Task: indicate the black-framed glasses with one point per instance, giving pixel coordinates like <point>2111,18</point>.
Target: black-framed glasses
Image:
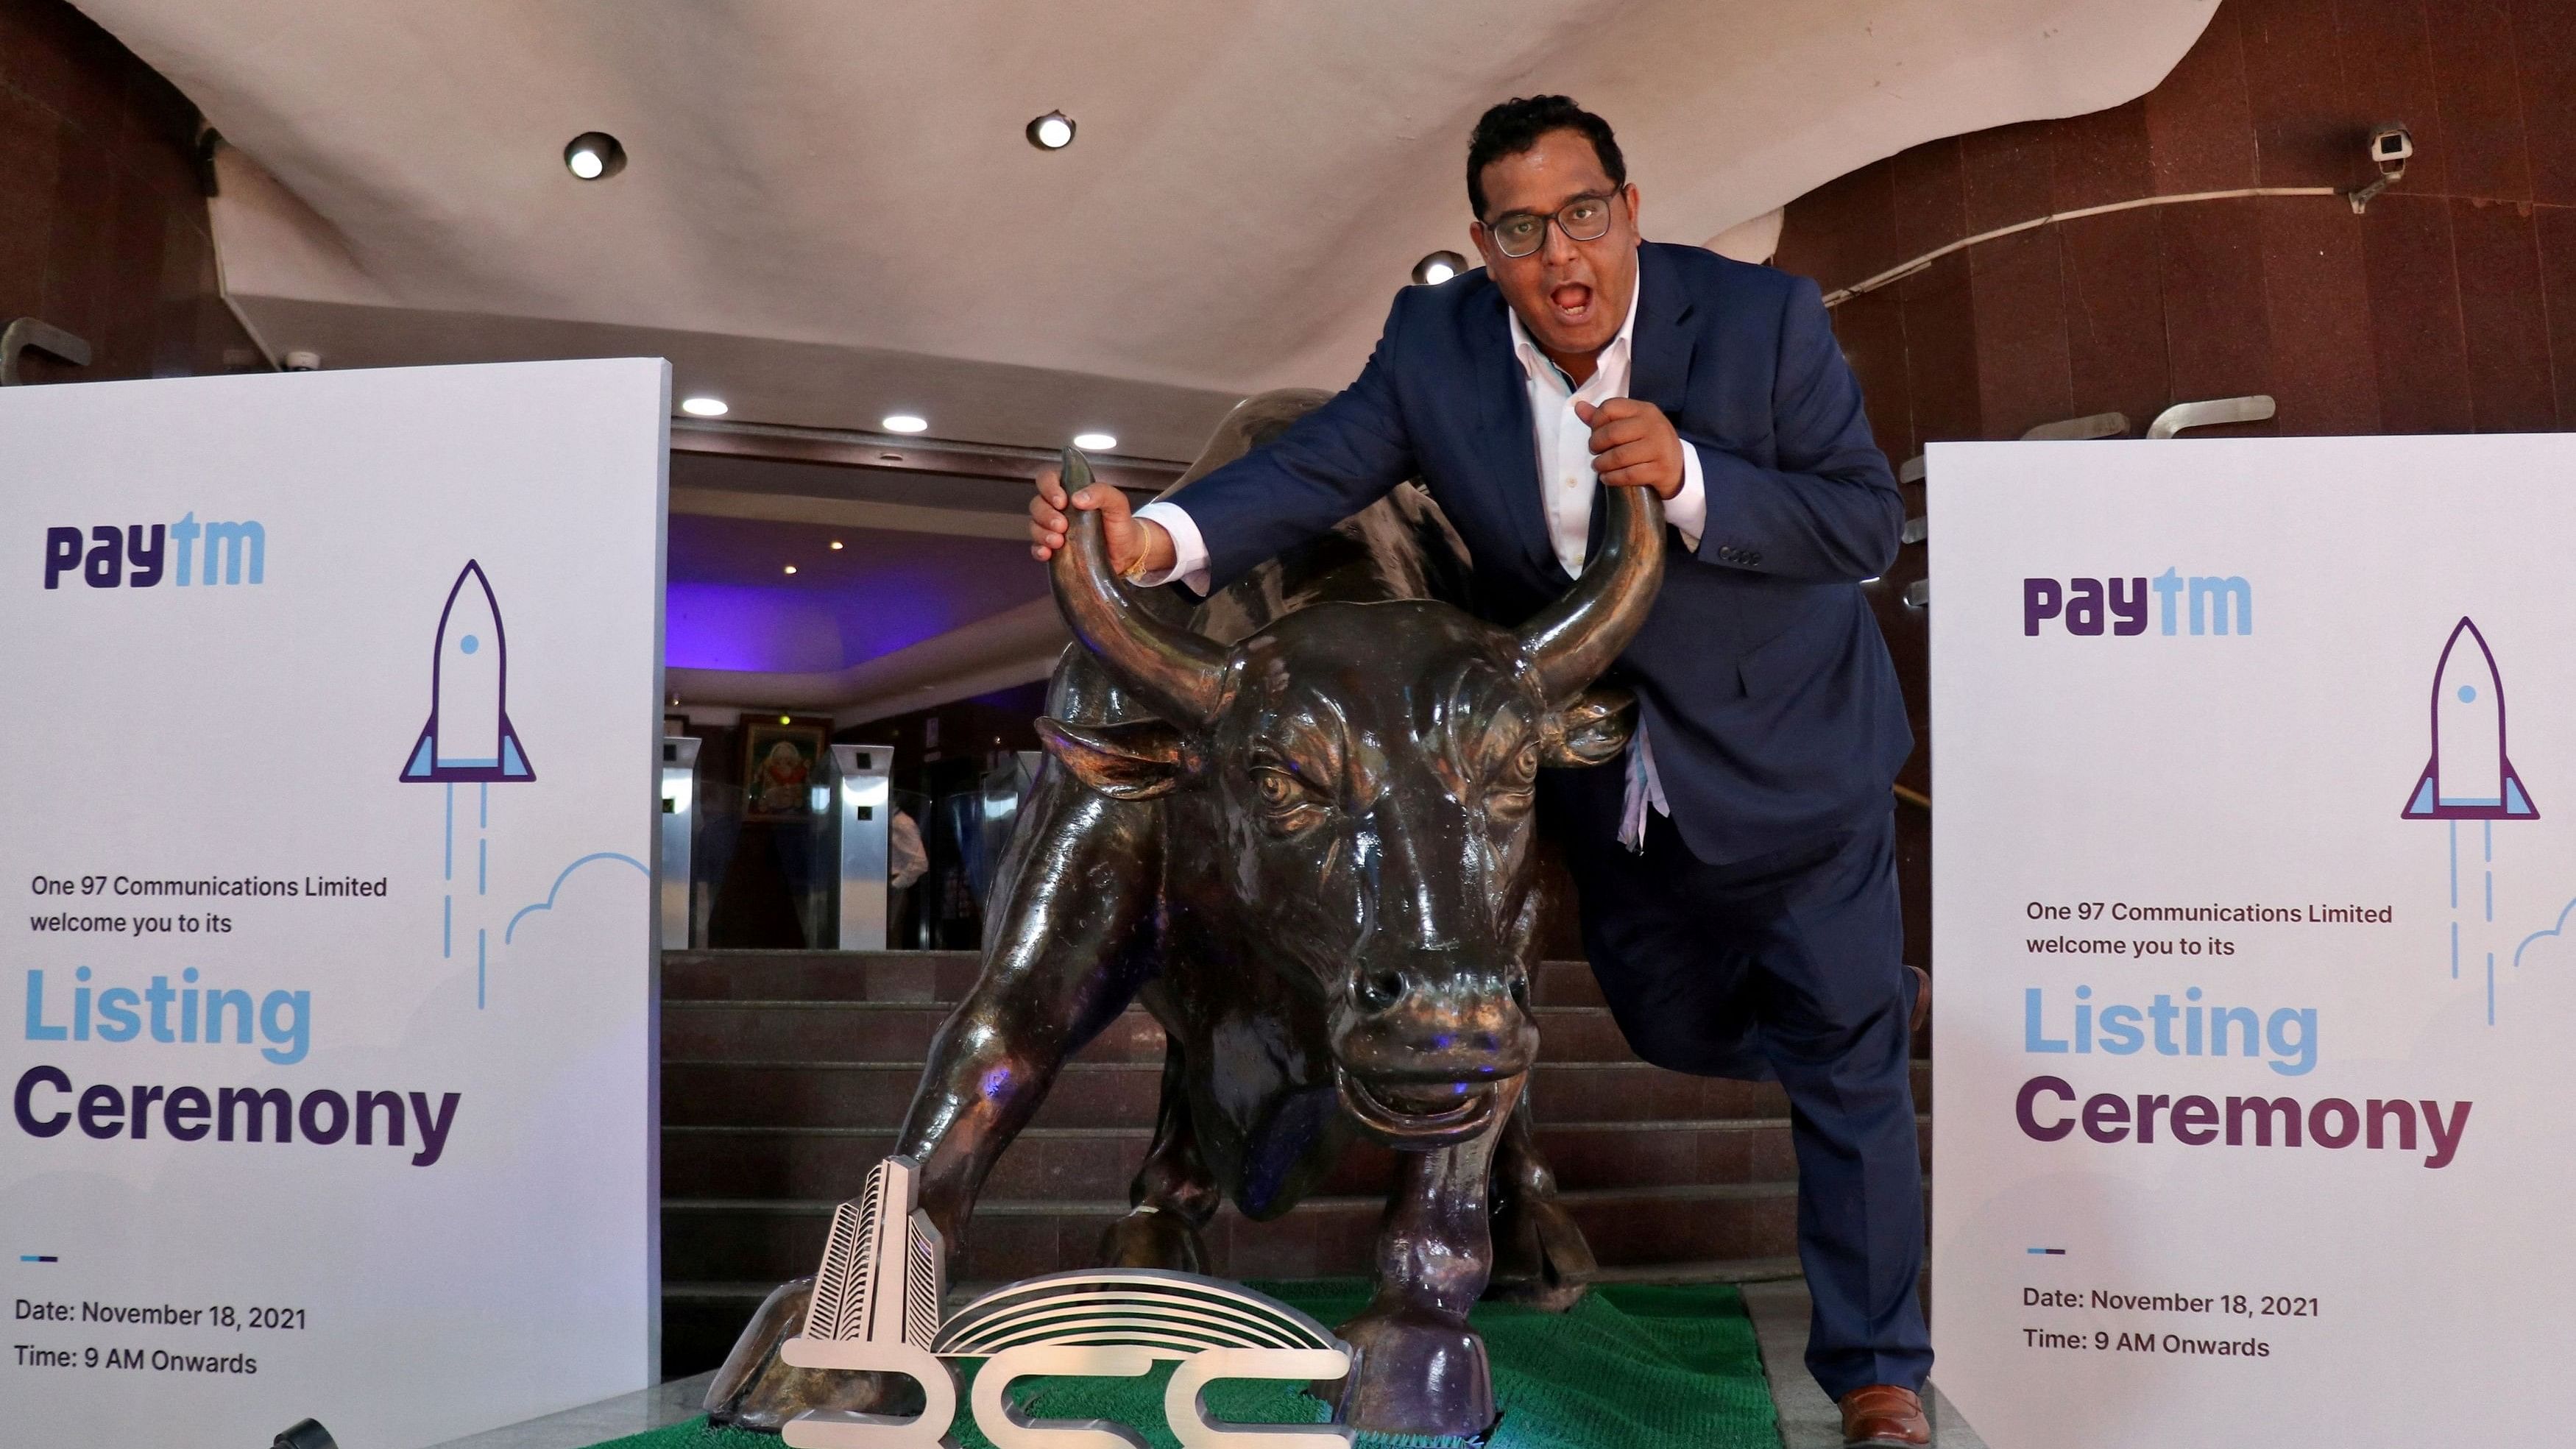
<point>1585,218</point>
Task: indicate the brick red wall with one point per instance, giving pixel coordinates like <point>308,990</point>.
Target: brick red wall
<point>2449,307</point>
<point>102,225</point>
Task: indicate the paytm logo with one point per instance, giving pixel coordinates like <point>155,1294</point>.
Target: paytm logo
<point>138,556</point>
<point>2215,604</point>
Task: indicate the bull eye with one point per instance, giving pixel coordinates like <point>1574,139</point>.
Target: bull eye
<point>1514,787</point>
<point>1285,799</point>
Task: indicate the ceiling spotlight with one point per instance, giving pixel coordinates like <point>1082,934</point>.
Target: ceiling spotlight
<point>1438,267</point>
<point>905,423</point>
<point>594,156</point>
<point>1052,131</point>
<point>836,545</point>
<point>1096,442</point>
<point>704,407</point>
<point>791,568</point>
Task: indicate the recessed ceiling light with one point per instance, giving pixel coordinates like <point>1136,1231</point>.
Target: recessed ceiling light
<point>905,423</point>
<point>1052,131</point>
<point>1438,267</point>
<point>836,545</point>
<point>1096,442</point>
<point>791,568</point>
<point>594,156</point>
<point>704,407</point>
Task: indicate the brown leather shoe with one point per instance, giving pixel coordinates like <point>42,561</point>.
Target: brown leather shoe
<point>1922,998</point>
<point>1884,1416</point>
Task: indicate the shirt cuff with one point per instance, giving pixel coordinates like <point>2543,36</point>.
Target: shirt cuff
<point>1189,551</point>
<point>1689,509</point>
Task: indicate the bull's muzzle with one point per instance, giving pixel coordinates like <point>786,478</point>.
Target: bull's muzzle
<point>1421,1044</point>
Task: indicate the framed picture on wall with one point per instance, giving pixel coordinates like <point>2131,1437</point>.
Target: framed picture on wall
<point>781,765</point>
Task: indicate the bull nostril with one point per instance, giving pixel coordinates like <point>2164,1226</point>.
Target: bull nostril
<point>1381,988</point>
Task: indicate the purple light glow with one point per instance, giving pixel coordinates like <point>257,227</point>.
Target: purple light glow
<point>996,1082</point>
<point>734,626</point>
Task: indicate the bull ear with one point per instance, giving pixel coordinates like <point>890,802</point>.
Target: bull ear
<point>1134,761</point>
<point>1593,729</point>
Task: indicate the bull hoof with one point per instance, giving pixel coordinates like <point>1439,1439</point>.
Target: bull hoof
<point>1540,1257</point>
<point>1151,1237</point>
<point>758,1390</point>
<point>1419,1373</point>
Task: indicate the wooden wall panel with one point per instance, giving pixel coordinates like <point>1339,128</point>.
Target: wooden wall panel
<point>2415,316</point>
<point>2497,247</point>
<point>2556,228</point>
<point>2544,52</point>
<point>2472,46</point>
<point>2325,374</point>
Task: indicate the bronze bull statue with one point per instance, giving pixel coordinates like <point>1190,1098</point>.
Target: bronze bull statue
<point>1295,823</point>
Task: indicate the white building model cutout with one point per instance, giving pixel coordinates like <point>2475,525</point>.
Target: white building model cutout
<point>876,1308</point>
<point>883,1270</point>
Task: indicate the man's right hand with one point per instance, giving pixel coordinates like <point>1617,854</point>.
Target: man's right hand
<point>1130,540</point>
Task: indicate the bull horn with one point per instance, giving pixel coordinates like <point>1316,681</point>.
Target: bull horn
<point>1179,672</point>
<point>1569,643</point>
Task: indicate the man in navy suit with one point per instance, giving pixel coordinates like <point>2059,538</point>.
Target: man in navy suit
<point>1737,879</point>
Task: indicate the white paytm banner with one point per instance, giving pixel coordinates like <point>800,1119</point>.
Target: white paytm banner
<point>2255,859</point>
<point>328,988</point>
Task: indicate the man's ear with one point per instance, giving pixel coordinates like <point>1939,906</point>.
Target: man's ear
<point>1593,729</point>
<point>1134,761</point>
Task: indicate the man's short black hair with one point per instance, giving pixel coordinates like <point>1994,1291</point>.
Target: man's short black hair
<point>1515,126</point>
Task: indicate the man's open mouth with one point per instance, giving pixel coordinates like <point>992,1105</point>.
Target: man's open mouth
<point>1573,301</point>
<point>1419,1117</point>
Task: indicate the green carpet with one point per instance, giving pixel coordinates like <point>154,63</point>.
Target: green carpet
<point>1632,1367</point>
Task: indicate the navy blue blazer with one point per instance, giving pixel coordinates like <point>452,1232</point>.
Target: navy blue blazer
<point>1762,678</point>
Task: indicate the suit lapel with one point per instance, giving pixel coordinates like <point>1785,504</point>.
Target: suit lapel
<point>1505,438</point>
<point>1659,355</point>
<point>1659,351</point>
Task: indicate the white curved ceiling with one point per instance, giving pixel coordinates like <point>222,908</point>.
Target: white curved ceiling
<point>830,210</point>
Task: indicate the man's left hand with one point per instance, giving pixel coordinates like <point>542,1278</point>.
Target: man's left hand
<point>1634,445</point>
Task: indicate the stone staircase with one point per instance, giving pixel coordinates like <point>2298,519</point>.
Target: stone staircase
<point>786,1073</point>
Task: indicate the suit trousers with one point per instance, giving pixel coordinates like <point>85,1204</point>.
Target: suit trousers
<point>1788,967</point>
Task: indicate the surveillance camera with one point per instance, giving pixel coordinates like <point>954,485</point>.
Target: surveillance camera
<point>2390,146</point>
<point>303,361</point>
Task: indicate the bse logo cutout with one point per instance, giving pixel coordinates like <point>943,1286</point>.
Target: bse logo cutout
<point>875,1309</point>
<point>2085,606</point>
<point>187,552</point>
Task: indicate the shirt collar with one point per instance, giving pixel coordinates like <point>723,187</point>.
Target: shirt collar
<point>1532,359</point>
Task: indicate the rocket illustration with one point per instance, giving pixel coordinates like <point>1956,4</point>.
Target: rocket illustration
<point>468,736</point>
<point>2470,777</point>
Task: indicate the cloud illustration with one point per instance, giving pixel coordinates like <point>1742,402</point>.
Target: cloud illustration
<point>2554,932</point>
<point>548,904</point>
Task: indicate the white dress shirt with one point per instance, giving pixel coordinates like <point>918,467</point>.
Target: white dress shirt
<point>1567,481</point>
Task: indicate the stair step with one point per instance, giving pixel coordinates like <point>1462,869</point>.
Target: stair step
<point>875,1031</point>
<point>1084,1162</point>
<point>929,976</point>
<point>917,976</point>
<point>1117,1094</point>
<point>749,1239</point>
